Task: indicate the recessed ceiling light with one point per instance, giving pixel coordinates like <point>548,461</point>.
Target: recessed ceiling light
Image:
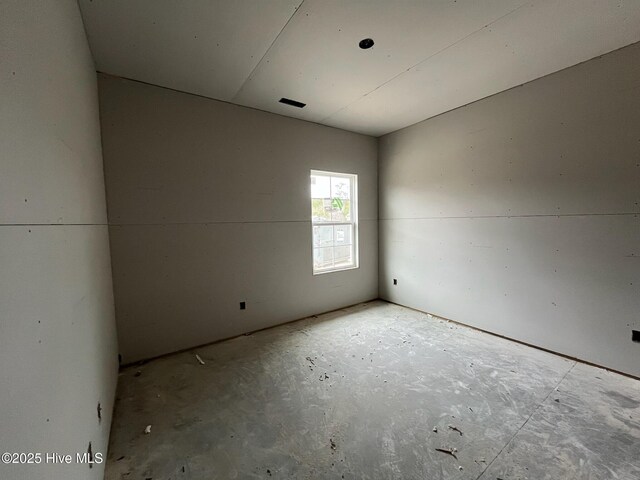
<point>293,103</point>
<point>366,43</point>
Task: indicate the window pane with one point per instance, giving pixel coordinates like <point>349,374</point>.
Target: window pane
<point>340,199</point>
<point>322,236</point>
<point>320,210</point>
<point>340,188</point>
<point>343,235</point>
<point>322,258</point>
<point>340,210</point>
<point>343,256</point>
<point>320,186</point>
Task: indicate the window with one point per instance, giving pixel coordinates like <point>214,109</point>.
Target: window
<point>334,219</point>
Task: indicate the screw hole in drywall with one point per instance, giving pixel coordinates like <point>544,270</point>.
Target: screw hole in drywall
<point>395,281</point>
<point>243,306</point>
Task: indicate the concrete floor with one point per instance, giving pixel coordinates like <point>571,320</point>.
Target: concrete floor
<point>359,394</point>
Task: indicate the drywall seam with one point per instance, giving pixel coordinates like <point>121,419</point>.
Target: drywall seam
<point>255,67</point>
<point>225,220</point>
<point>565,281</point>
<point>58,351</point>
<point>425,60</point>
<point>515,87</point>
<point>513,216</point>
<point>106,74</point>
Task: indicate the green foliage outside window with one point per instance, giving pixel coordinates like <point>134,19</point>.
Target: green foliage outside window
<point>318,209</point>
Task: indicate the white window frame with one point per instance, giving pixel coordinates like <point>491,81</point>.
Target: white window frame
<point>353,179</point>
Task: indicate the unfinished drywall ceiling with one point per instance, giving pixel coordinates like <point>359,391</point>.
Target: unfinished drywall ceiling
<point>207,47</point>
<point>520,214</point>
<point>428,57</point>
<point>316,59</point>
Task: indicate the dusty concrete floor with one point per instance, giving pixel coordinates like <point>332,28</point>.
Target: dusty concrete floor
<point>360,393</point>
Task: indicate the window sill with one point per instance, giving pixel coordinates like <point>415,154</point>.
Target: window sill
<point>334,270</point>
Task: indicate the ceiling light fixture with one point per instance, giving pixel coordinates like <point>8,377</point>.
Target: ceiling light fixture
<point>366,43</point>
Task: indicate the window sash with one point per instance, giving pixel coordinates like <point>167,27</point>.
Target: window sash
<point>336,266</point>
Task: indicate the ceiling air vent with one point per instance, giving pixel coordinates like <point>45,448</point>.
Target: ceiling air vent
<point>293,103</point>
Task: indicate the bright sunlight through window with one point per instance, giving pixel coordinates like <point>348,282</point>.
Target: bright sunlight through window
<point>334,218</point>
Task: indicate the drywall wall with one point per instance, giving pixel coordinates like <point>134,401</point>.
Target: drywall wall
<point>209,206</point>
<point>58,352</point>
<point>519,214</point>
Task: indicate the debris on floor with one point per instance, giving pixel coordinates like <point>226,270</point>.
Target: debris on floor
<point>199,359</point>
<point>261,381</point>
<point>448,450</point>
<point>147,429</point>
<point>455,429</point>
<point>137,374</point>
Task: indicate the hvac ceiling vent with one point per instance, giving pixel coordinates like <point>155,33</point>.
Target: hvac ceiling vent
<point>293,103</point>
